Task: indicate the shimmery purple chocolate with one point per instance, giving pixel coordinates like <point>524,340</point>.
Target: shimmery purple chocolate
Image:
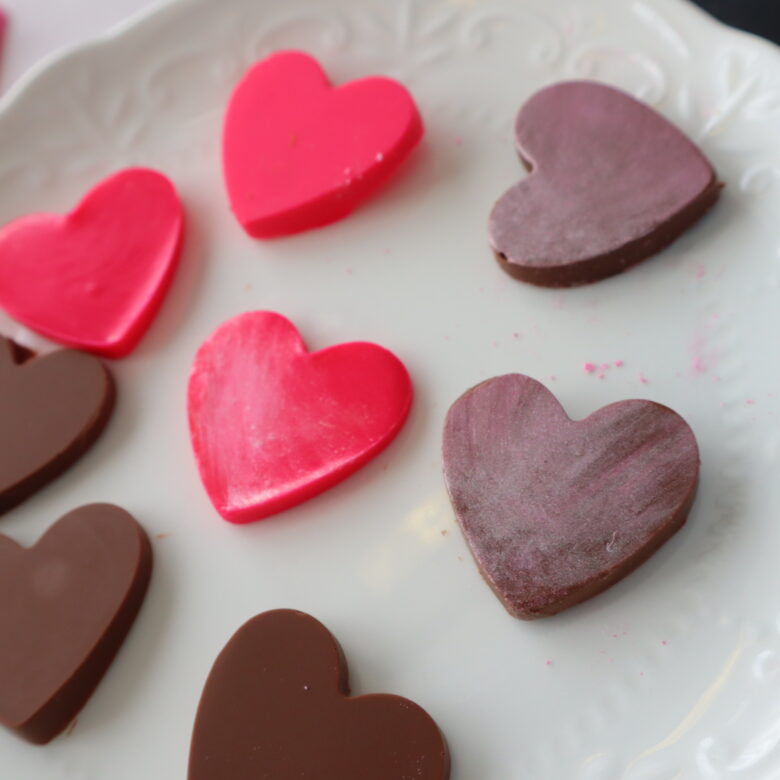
<point>612,183</point>
<point>557,510</point>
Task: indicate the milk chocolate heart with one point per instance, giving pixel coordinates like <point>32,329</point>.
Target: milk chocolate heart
<point>276,705</point>
<point>52,409</point>
<point>557,510</point>
<point>612,183</point>
<point>66,605</point>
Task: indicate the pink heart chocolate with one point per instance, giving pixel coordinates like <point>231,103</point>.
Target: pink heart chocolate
<point>612,182</point>
<point>273,425</point>
<point>299,153</point>
<point>557,510</point>
<point>94,278</point>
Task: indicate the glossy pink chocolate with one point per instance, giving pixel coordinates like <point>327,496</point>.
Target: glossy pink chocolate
<point>557,510</point>
<point>612,182</point>
<point>299,154</point>
<point>273,425</point>
<point>94,278</point>
<point>3,26</point>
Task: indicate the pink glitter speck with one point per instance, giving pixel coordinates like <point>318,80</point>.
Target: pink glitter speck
<point>589,368</point>
<point>697,366</point>
<point>605,366</point>
<point>548,662</point>
<point>664,642</point>
<point>618,364</point>
<point>516,335</point>
<point>643,379</point>
<point>749,401</point>
<point>601,376</point>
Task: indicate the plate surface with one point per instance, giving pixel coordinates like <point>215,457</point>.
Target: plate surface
<point>674,673</point>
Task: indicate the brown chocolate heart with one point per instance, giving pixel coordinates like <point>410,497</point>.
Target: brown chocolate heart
<point>66,605</point>
<point>612,183</point>
<point>52,409</point>
<point>556,510</point>
<point>276,705</point>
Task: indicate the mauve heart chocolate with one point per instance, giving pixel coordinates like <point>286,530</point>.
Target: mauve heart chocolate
<point>66,605</point>
<point>557,510</point>
<point>52,408</point>
<point>612,183</point>
<point>276,705</point>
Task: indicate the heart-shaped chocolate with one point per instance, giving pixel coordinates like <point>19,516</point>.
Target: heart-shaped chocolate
<point>94,278</point>
<point>299,153</point>
<point>66,605</point>
<point>273,425</point>
<point>557,510</point>
<point>276,705</point>
<point>52,409</point>
<point>612,182</point>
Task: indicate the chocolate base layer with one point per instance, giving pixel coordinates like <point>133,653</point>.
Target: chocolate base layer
<point>276,705</point>
<point>52,409</point>
<point>615,262</point>
<point>66,605</point>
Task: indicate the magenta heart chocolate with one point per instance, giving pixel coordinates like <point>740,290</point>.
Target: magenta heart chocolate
<point>556,510</point>
<point>612,182</point>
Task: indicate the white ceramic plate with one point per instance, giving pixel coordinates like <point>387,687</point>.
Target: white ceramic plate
<point>674,673</point>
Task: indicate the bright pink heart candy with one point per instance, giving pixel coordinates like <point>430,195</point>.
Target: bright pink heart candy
<point>3,25</point>
<point>94,278</point>
<point>273,425</point>
<point>300,154</point>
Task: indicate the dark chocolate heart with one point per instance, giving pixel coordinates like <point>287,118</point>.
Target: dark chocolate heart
<point>613,182</point>
<point>52,409</point>
<point>66,605</point>
<point>276,705</point>
<point>557,510</point>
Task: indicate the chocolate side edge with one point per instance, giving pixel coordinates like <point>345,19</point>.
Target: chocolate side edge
<point>599,584</point>
<point>595,269</point>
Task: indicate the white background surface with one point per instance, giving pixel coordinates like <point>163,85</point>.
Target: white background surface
<point>674,674</point>
<point>38,27</point>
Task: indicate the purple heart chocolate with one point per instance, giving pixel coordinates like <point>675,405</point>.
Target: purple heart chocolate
<point>557,510</point>
<point>612,183</point>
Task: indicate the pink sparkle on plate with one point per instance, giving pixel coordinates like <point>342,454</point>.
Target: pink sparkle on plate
<point>643,379</point>
<point>618,364</point>
<point>589,368</point>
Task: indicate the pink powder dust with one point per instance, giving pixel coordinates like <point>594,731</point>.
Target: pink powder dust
<point>589,368</point>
